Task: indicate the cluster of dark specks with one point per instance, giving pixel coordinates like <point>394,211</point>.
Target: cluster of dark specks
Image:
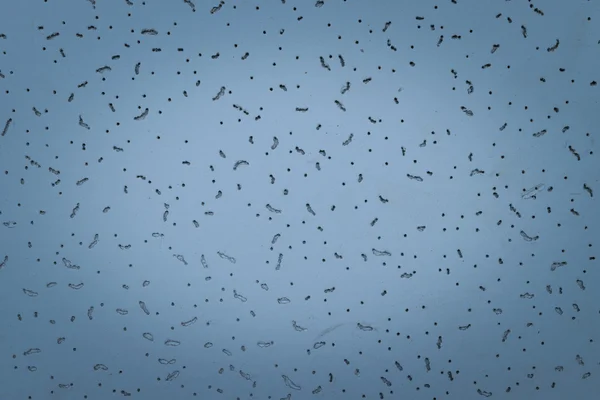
<point>286,200</point>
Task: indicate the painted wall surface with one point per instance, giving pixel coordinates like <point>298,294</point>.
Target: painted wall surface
<point>283,199</point>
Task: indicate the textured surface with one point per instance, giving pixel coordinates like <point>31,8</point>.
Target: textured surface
<point>289,200</point>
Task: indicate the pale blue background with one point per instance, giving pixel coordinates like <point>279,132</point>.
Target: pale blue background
<point>459,211</point>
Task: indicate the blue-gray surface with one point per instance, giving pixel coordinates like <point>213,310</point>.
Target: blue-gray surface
<point>295,200</point>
